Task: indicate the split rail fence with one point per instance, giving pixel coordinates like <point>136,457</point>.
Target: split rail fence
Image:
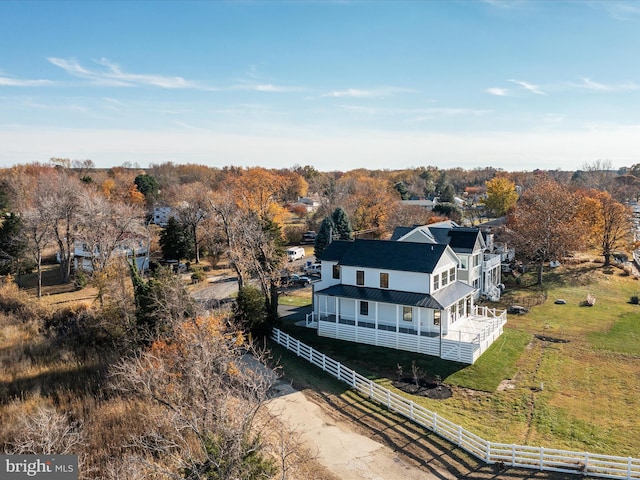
<point>538,458</point>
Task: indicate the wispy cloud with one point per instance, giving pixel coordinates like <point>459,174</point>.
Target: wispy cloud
<point>113,75</point>
<point>18,82</point>
<point>528,86</point>
<point>621,10</point>
<point>499,92</point>
<point>504,4</point>
<point>370,93</point>
<point>417,114</point>
<point>588,84</point>
<point>266,87</point>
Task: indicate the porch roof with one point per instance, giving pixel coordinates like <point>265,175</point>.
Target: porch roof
<point>452,293</point>
<point>383,296</point>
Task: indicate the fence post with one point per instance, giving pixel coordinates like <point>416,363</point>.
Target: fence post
<point>324,362</point>
<point>338,370</point>
<point>541,458</point>
<point>586,462</point>
<point>459,436</point>
<point>297,348</point>
<point>353,378</point>
<point>435,422</point>
<point>488,459</point>
<point>370,389</point>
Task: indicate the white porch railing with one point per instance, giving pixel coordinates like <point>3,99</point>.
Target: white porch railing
<point>537,458</point>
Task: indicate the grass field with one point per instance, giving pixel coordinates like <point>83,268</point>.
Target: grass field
<point>582,395</point>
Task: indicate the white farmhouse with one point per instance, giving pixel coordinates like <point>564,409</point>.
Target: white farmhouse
<point>476,267</point>
<point>402,295</point>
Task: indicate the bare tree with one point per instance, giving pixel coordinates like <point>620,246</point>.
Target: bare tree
<point>38,233</point>
<point>58,199</point>
<point>210,391</point>
<point>47,432</point>
<point>191,210</point>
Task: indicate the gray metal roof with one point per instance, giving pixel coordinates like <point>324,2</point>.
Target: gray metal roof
<point>452,293</point>
<point>394,297</point>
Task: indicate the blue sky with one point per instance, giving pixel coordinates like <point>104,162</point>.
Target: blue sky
<point>512,84</point>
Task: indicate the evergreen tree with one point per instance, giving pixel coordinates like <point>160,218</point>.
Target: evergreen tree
<point>250,311</point>
<point>341,224</point>
<point>12,244</point>
<point>176,241</point>
<point>447,194</point>
<point>148,186</point>
<point>323,238</point>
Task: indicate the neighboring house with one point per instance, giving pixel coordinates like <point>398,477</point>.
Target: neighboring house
<point>83,257</point>
<point>476,267</point>
<point>310,203</point>
<point>402,295</point>
<point>425,203</point>
<point>161,215</point>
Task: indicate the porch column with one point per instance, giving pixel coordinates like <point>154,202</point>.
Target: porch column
<point>337,314</point>
<point>356,313</point>
<point>375,310</point>
<point>397,325</point>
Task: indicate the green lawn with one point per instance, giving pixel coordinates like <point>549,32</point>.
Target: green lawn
<point>583,394</point>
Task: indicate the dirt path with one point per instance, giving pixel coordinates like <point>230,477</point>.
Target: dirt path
<point>353,442</point>
<point>346,453</point>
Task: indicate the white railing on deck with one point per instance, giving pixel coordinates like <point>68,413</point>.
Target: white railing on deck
<point>538,458</point>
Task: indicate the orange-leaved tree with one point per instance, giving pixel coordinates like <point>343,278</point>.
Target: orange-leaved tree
<point>545,223</point>
<point>609,222</point>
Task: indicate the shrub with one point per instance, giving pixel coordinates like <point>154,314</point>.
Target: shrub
<point>198,275</point>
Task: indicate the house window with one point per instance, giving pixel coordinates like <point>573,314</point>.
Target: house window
<point>407,314</point>
<point>476,260</point>
<point>436,317</point>
<point>463,262</point>
<point>452,275</point>
<point>461,308</point>
<point>384,280</point>
<point>445,279</point>
<point>364,308</point>
<point>454,312</point>
<point>468,305</point>
<point>359,277</point>
<point>436,282</point>
<point>336,271</point>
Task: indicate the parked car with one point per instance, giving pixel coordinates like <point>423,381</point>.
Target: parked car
<point>295,253</point>
<point>295,281</point>
<point>313,269</point>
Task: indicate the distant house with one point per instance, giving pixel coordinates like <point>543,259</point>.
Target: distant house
<point>311,204</point>
<point>161,215</point>
<point>477,266</point>
<point>424,203</point>
<point>131,246</point>
<point>403,295</point>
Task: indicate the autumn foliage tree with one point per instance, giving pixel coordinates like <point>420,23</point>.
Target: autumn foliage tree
<point>609,222</point>
<point>545,223</point>
<point>501,195</point>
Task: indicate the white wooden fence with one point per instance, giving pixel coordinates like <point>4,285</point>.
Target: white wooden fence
<point>539,458</point>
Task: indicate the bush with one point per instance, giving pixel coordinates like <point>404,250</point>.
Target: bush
<point>198,275</point>
<point>80,279</point>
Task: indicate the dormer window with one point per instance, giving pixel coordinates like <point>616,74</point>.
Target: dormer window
<point>384,280</point>
<point>359,277</point>
<point>436,282</point>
